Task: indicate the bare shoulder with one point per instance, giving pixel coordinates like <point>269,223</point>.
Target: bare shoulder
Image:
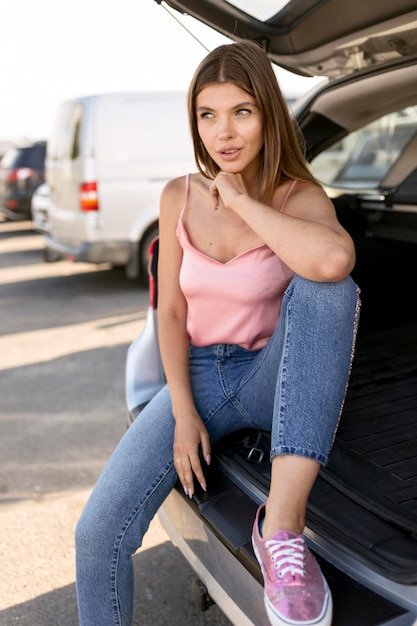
<point>308,199</point>
<point>174,189</point>
<point>173,198</point>
<point>305,189</point>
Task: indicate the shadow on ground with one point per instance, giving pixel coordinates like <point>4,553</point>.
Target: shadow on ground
<point>160,580</point>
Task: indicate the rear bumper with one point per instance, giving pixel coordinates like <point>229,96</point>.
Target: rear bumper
<point>116,252</point>
<point>236,592</point>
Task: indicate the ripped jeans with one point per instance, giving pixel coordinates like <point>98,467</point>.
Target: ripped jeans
<point>294,387</point>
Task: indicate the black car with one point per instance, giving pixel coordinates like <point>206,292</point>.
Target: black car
<point>360,127</point>
<point>22,171</point>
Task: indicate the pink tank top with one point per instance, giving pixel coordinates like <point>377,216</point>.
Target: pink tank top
<point>237,302</point>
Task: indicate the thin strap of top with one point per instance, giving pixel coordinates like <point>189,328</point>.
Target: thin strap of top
<point>187,189</point>
<point>287,195</point>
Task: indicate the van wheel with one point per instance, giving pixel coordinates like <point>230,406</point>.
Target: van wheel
<point>49,256</point>
<point>145,244</point>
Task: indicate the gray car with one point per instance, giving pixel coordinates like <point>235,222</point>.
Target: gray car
<point>22,171</point>
<point>360,127</point>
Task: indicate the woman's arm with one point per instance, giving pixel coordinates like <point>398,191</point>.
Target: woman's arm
<point>190,431</point>
<point>307,236</point>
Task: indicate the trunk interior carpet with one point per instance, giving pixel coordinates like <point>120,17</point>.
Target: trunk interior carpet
<point>374,458</point>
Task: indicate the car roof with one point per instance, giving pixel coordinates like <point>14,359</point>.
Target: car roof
<point>316,37</point>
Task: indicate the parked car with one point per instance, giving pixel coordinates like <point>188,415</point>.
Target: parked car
<point>108,158</point>
<point>360,127</point>
<point>40,208</point>
<point>22,170</point>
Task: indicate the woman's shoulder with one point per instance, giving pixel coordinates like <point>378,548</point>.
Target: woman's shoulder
<point>293,193</point>
<point>175,192</point>
<point>178,186</point>
<point>175,186</point>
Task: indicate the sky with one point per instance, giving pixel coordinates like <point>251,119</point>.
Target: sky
<point>53,50</point>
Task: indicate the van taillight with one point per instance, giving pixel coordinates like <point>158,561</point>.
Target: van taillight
<point>88,197</point>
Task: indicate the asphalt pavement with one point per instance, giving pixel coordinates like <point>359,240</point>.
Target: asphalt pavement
<point>64,332</point>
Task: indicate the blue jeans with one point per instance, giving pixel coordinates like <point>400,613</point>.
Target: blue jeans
<point>294,387</point>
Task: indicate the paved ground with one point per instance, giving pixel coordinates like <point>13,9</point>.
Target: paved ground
<point>64,331</point>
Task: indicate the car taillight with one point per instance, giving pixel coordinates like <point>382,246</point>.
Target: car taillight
<point>21,173</point>
<point>88,197</point>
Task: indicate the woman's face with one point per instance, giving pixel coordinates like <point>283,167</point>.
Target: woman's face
<point>230,126</point>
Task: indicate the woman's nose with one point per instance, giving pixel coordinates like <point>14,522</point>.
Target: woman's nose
<point>225,129</point>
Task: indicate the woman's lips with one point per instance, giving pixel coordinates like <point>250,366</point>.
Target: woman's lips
<point>230,154</point>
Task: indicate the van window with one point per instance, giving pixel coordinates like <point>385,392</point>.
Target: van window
<point>65,138</point>
<point>75,132</point>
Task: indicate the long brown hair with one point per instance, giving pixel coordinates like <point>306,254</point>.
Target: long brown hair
<point>245,65</point>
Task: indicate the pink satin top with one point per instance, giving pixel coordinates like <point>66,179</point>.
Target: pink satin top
<point>237,302</point>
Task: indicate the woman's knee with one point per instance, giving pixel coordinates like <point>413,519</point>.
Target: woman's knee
<point>340,296</point>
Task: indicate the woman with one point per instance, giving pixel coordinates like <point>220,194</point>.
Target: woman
<point>255,302</point>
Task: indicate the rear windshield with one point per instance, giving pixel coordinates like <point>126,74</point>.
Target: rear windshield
<point>30,156</point>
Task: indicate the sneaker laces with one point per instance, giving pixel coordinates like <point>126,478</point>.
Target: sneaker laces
<point>287,555</point>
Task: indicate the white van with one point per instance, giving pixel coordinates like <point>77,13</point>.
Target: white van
<point>108,158</point>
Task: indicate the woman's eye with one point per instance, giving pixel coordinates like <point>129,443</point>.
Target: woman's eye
<point>243,112</point>
<point>205,115</point>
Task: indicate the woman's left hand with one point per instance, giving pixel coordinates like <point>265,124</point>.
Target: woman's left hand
<point>190,434</point>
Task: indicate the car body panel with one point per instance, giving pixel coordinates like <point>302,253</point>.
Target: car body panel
<point>40,209</point>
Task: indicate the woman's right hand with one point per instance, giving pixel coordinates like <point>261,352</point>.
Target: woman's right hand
<point>190,434</point>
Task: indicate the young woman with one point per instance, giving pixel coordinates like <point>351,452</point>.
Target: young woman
<point>255,303</point>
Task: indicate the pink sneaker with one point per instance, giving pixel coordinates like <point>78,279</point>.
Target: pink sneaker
<point>296,592</point>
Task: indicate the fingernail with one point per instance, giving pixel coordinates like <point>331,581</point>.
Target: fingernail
<point>208,459</point>
<point>185,490</point>
<point>203,486</point>
<point>190,494</point>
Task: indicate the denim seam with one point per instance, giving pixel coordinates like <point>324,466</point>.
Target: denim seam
<point>281,384</point>
<point>231,396</point>
<point>352,355</point>
<point>120,537</point>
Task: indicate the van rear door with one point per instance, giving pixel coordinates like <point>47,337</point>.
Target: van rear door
<point>69,164</point>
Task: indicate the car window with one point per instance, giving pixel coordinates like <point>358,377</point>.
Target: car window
<point>30,156</point>
<point>33,156</point>
<point>261,9</point>
<point>364,157</point>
